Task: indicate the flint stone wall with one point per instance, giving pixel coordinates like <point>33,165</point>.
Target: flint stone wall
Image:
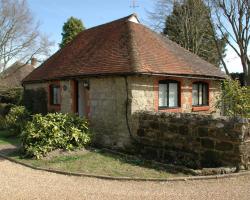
<point>193,140</point>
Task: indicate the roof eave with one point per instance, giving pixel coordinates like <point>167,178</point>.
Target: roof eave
<point>191,76</point>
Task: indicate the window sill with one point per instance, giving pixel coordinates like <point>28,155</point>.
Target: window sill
<point>200,108</point>
<point>176,109</point>
<point>56,105</point>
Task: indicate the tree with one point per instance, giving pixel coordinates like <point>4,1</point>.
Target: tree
<point>71,28</point>
<point>235,99</point>
<point>190,25</point>
<point>20,38</point>
<point>158,15</point>
<point>233,20</point>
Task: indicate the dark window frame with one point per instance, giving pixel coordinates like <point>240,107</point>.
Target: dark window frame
<point>51,88</point>
<point>203,84</point>
<point>178,94</point>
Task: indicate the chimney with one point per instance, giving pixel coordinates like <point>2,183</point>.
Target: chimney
<point>33,61</point>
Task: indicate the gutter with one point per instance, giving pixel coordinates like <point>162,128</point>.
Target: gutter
<point>191,76</point>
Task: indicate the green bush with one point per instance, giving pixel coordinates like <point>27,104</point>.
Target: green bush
<point>11,96</point>
<point>54,131</point>
<point>16,119</point>
<point>2,123</point>
<point>35,101</point>
<point>5,108</point>
<point>235,100</point>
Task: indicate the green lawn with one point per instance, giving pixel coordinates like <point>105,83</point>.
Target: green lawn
<point>7,138</point>
<point>96,162</point>
<point>103,163</point>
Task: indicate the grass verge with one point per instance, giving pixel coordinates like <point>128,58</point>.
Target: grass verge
<point>96,162</point>
<point>103,163</point>
<point>7,138</point>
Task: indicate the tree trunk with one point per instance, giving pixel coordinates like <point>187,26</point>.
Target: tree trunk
<point>247,79</point>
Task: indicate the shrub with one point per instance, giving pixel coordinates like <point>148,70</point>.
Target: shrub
<point>16,119</point>
<point>54,131</point>
<point>35,101</point>
<point>2,123</point>
<point>11,96</point>
<point>239,77</point>
<point>235,100</point>
<point>5,108</point>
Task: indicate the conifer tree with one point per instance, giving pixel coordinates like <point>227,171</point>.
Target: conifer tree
<point>71,28</point>
<point>191,26</point>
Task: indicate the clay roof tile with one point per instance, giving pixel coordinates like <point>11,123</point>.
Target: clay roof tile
<point>122,47</point>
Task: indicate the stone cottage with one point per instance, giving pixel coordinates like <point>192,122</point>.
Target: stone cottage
<point>110,71</point>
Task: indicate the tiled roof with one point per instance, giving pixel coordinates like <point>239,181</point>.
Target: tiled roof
<point>122,47</point>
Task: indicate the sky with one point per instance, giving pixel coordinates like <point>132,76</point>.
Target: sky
<point>53,13</point>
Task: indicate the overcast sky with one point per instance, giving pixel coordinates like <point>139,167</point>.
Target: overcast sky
<point>53,13</point>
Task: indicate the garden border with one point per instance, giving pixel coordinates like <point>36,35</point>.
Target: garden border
<point>192,178</point>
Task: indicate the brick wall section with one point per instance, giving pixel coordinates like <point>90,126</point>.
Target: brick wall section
<point>193,140</point>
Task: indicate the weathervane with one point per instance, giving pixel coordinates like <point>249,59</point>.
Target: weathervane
<point>134,4</point>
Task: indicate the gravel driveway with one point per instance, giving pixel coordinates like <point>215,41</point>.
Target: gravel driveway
<point>18,182</point>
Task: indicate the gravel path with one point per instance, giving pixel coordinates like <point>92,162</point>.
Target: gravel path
<point>18,182</point>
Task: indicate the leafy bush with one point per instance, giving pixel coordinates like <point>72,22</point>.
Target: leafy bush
<point>54,131</point>
<point>17,118</point>
<point>11,96</point>
<point>238,76</point>
<point>35,101</point>
<point>5,108</point>
<point>2,123</point>
<point>235,100</point>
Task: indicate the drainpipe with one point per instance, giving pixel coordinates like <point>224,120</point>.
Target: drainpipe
<point>126,108</point>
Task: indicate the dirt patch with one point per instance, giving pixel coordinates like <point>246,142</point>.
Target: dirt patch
<point>7,149</point>
<point>62,152</point>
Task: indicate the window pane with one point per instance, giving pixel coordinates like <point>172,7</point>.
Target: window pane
<point>56,95</point>
<point>195,94</point>
<point>205,97</point>
<point>173,94</point>
<point>200,94</point>
<point>162,95</point>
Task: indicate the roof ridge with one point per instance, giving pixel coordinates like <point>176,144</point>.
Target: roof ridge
<point>135,63</point>
<point>117,20</point>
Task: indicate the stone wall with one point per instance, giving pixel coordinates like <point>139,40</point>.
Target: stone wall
<point>35,86</point>
<point>66,96</point>
<point>192,140</point>
<point>144,94</point>
<point>108,99</point>
<point>66,99</point>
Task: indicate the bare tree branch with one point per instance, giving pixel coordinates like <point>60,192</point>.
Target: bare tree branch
<point>233,19</point>
<point>20,38</point>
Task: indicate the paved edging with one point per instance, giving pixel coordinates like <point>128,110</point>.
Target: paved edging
<point>192,178</point>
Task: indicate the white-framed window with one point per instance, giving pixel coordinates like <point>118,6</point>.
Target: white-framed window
<point>169,94</point>
<point>200,94</point>
<point>55,95</point>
